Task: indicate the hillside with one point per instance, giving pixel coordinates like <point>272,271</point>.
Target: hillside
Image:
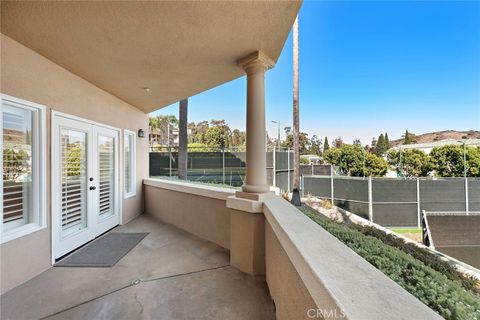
<point>440,135</point>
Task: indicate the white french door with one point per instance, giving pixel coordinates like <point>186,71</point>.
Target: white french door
<point>85,182</point>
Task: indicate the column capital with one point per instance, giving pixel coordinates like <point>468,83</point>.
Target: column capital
<point>256,59</point>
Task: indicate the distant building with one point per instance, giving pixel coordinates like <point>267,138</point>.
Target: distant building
<point>427,147</point>
<point>312,158</point>
<point>158,137</point>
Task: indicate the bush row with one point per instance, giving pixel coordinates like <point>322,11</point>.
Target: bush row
<point>428,258</point>
<point>446,296</point>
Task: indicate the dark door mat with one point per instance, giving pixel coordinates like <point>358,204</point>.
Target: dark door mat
<point>104,252</point>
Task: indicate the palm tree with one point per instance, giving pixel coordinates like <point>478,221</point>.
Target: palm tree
<point>296,145</point>
<point>182,139</point>
<point>153,123</point>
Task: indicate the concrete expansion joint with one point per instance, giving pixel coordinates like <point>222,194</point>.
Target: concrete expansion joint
<point>134,283</point>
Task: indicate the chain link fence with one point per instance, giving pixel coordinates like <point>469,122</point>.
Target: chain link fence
<point>224,166</point>
<point>396,202</point>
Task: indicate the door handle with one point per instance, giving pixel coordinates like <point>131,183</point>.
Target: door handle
<point>93,188</point>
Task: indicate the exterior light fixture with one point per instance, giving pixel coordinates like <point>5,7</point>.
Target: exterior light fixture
<point>141,133</point>
<point>146,89</point>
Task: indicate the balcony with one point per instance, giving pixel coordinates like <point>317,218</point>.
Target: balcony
<point>171,274</point>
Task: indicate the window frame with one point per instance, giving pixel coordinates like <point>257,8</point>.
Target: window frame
<point>38,167</point>
<point>133,168</point>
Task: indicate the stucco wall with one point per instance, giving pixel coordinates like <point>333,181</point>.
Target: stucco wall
<point>292,299</point>
<point>203,215</point>
<point>27,75</point>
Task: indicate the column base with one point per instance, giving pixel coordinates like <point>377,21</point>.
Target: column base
<point>248,202</point>
<point>255,189</point>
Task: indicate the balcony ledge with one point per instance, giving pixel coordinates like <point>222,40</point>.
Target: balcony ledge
<point>335,276</point>
<point>191,188</point>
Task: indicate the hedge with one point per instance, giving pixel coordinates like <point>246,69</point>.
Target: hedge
<point>429,258</point>
<point>447,296</point>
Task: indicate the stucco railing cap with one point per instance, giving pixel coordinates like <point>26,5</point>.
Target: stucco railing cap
<point>191,188</point>
<point>328,267</point>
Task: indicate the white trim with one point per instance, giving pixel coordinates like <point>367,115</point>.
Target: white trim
<point>95,226</point>
<point>72,117</point>
<point>133,156</point>
<point>39,151</point>
<point>21,231</point>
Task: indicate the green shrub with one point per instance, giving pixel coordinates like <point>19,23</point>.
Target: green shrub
<point>445,295</point>
<point>427,257</point>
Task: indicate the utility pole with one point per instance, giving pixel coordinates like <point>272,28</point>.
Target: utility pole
<point>278,137</point>
<point>400,169</point>
<point>363,152</point>
<point>465,177</point>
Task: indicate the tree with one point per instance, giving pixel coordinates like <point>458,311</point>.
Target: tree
<point>326,145</point>
<point>351,160</point>
<point>16,163</point>
<point>415,163</point>
<point>74,160</point>
<point>332,156</point>
<point>191,128</point>
<point>355,161</point>
<point>379,147</point>
<point>357,142</point>
<point>386,142</point>
<point>304,160</point>
<point>304,142</point>
<point>296,127</point>
<point>217,136</point>
<point>198,147</point>
<point>315,146</point>
<point>338,142</point>
<point>238,138</point>
<point>473,162</point>
<point>375,166</point>
<point>408,137</point>
<point>448,161</point>
<point>182,139</point>
<point>161,126</point>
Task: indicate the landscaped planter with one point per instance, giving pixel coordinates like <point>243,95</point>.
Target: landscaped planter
<point>433,281</point>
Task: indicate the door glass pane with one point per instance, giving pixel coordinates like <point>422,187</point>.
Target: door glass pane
<point>74,180</point>
<point>106,175</point>
<point>17,167</point>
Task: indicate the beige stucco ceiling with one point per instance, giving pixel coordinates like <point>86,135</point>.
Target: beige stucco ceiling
<point>177,49</point>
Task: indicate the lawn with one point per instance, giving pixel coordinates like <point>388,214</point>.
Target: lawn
<point>433,281</point>
<point>407,230</point>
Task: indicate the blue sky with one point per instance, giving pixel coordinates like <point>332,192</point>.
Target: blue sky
<point>367,68</point>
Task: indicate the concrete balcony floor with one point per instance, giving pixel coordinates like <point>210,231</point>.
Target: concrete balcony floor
<point>182,277</point>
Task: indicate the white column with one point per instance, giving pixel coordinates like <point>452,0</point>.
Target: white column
<point>255,66</point>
